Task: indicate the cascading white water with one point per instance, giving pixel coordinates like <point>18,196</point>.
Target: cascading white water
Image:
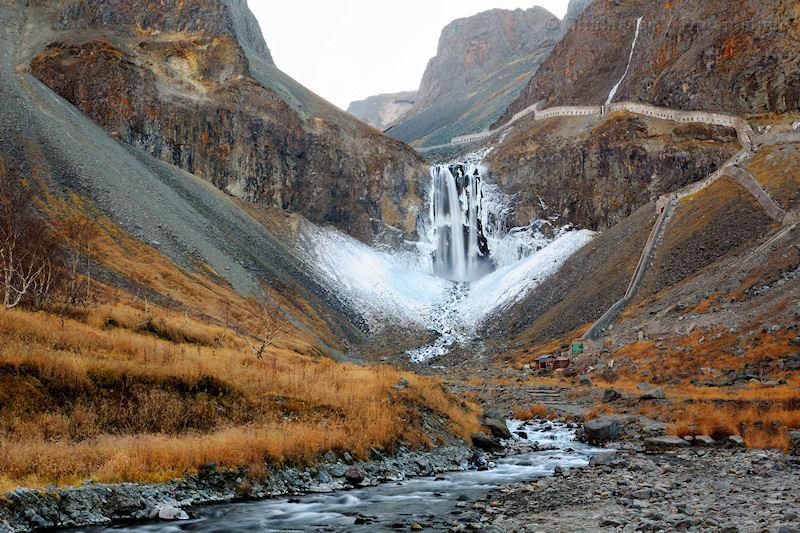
<point>614,90</point>
<point>460,251</point>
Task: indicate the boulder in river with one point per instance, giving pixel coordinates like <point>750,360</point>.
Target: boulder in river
<point>601,429</point>
<point>354,476</point>
<point>169,512</point>
<point>498,427</point>
<point>486,443</point>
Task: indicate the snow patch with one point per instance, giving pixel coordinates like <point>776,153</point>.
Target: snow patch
<point>382,286</point>
<point>508,285</point>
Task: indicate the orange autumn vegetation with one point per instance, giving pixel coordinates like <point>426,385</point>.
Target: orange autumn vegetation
<point>91,396</point>
<point>537,410</point>
<point>133,391</point>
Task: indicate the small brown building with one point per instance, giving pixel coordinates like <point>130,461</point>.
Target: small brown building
<point>561,363</point>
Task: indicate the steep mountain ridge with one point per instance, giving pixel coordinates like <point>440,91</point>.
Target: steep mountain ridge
<point>482,63</point>
<point>181,85</point>
<point>690,55</point>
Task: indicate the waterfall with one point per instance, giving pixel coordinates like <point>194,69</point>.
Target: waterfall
<point>614,90</point>
<point>460,249</point>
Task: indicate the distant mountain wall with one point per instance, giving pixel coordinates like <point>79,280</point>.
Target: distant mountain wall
<point>482,64</point>
<point>383,110</point>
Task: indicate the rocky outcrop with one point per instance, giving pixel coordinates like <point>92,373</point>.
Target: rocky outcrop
<point>742,60</point>
<point>593,176</point>
<point>574,11</point>
<point>471,47</point>
<point>383,110</point>
<point>180,83</point>
<point>481,65</point>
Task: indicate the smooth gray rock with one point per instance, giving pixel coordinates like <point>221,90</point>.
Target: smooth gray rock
<point>486,443</point>
<point>354,476</point>
<point>654,394</point>
<point>602,429</point>
<point>664,444</point>
<point>168,512</point>
<point>704,440</point>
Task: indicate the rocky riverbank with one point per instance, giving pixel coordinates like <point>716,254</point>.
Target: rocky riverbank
<point>697,489</point>
<point>94,504</point>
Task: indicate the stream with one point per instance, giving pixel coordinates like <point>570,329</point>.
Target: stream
<point>430,501</point>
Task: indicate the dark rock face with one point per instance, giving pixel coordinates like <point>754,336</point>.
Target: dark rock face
<point>192,101</point>
<point>486,443</point>
<point>481,65</point>
<point>472,47</point>
<point>598,177</point>
<point>691,54</point>
<point>383,110</point>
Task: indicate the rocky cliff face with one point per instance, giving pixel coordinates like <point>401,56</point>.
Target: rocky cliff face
<point>691,54</point>
<point>595,175</point>
<point>574,11</point>
<point>481,65</point>
<point>194,85</point>
<point>383,110</point>
<point>470,48</point>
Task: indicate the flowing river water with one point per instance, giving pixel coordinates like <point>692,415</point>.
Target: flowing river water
<point>430,501</point>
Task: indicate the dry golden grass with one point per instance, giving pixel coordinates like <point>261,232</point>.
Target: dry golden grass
<point>93,395</point>
<point>537,410</point>
<point>132,391</point>
<point>761,426</point>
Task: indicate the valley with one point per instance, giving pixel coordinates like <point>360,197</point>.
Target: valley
<point>555,289</point>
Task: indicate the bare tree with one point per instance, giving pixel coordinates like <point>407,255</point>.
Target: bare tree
<point>269,320</point>
<point>30,257</point>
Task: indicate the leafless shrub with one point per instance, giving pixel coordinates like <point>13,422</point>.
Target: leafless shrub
<point>32,266</point>
<point>269,321</point>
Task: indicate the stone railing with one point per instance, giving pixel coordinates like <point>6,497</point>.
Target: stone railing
<point>472,137</point>
<point>743,129</point>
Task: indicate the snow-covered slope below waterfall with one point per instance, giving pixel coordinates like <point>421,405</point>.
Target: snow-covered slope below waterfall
<point>505,286</point>
<point>382,286</point>
<point>398,288</point>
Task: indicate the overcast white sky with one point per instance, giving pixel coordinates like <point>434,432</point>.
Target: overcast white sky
<point>346,50</point>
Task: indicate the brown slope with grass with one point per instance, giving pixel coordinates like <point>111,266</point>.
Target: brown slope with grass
<point>716,322</point>
<point>176,370</point>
